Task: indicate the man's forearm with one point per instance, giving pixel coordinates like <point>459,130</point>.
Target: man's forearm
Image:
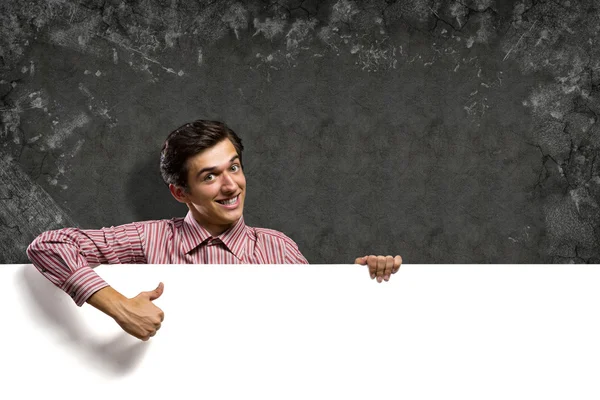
<point>64,256</point>
<point>109,301</point>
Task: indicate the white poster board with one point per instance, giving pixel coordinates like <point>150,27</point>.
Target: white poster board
<point>316,331</point>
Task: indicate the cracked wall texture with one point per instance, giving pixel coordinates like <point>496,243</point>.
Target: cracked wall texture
<point>445,131</point>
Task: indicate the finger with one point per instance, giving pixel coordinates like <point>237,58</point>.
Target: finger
<point>155,294</point>
<point>380,268</point>
<point>136,336</point>
<point>397,264</point>
<point>152,334</point>
<point>372,262</point>
<point>389,263</point>
<point>162,316</point>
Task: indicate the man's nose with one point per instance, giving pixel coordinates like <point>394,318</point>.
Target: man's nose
<point>228,181</point>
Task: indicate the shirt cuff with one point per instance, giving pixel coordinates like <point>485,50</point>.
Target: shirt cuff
<point>82,284</point>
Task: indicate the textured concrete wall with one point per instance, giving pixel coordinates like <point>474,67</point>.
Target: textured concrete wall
<point>444,131</point>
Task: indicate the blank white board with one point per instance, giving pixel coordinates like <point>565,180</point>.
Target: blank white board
<point>312,331</point>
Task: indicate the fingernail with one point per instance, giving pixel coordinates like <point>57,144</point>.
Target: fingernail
<point>372,276</point>
<point>387,278</point>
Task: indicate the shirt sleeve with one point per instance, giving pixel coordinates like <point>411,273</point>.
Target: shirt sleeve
<point>292,253</point>
<point>66,256</point>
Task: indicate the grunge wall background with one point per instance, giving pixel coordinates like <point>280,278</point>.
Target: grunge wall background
<point>445,131</point>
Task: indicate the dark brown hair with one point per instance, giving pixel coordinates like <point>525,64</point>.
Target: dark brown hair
<point>189,140</point>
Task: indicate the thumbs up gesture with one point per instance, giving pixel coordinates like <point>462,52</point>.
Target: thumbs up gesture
<point>139,317</point>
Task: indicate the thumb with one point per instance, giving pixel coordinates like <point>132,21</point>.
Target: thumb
<point>361,260</point>
<point>156,293</point>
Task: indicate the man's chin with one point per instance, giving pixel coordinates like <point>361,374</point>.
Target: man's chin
<point>232,216</point>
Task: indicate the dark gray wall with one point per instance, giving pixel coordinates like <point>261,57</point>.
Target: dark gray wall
<point>444,131</point>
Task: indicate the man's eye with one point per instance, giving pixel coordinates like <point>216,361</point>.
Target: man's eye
<point>237,167</point>
<point>208,177</point>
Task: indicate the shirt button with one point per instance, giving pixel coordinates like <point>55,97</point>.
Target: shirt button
<point>73,294</point>
<point>44,270</point>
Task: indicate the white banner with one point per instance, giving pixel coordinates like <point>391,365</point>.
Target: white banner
<point>311,332</point>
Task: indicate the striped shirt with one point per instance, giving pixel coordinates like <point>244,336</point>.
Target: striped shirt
<point>66,256</point>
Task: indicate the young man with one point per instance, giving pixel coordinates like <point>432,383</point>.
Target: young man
<point>201,162</point>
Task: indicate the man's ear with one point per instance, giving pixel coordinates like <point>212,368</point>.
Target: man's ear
<point>178,193</point>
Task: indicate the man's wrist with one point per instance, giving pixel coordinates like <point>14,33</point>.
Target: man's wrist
<point>109,301</point>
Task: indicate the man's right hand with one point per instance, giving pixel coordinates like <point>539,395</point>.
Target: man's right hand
<point>139,317</point>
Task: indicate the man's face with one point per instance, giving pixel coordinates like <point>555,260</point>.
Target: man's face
<point>217,187</point>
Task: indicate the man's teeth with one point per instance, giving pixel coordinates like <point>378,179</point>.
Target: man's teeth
<point>230,201</point>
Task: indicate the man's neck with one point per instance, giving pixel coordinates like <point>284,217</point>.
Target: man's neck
<point>214,229</point>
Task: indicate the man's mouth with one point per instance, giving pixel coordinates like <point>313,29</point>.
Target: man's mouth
<point>229,202</point>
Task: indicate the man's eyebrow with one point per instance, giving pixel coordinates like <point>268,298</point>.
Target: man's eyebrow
<point>207,169</point>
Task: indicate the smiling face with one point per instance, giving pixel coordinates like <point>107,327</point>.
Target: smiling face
<point>217,187</point>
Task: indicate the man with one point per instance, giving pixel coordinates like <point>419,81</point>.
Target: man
<point>201,162</point>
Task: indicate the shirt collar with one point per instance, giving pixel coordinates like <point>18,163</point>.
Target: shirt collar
<point>195,234</point>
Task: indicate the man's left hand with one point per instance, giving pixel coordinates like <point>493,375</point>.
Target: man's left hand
<point>380,267</point>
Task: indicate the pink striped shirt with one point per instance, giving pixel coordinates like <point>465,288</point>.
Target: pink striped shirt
<point>66,256</point>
